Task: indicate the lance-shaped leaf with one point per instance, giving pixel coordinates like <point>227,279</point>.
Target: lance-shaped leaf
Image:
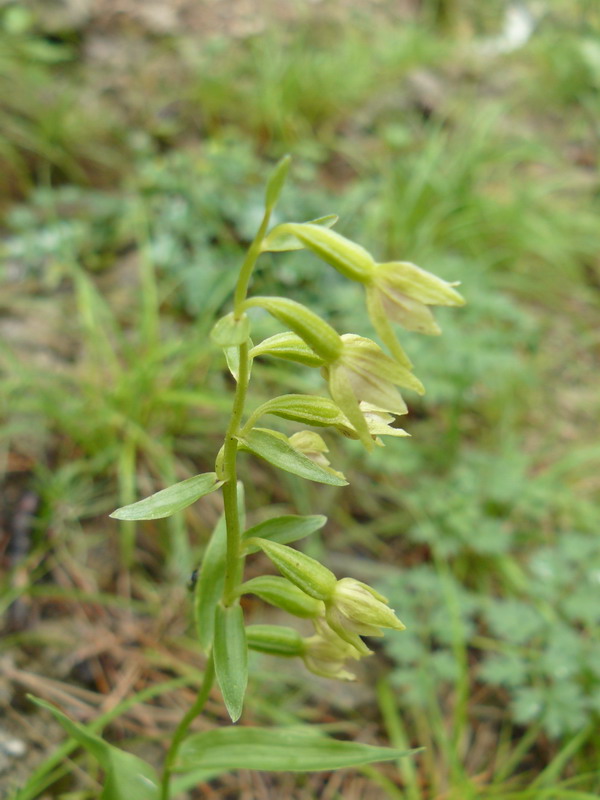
<point>281,593</point>
<point>318,334</point>
<point>307,408</point>
<point>168,501</point>
<point>275,448</point>
<point>231,657</point>
<point>125,776</point>
<point>280,239</point>
<point>293,749</point>
<point>285,529</point>
<point>288,346</point>
<point>276,182</point>
<point>211,576</point>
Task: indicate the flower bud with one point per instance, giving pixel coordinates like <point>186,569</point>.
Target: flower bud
<point>325,654</point>
<point>355,609</point>
<point>312,446</point>
<point>305,572</point>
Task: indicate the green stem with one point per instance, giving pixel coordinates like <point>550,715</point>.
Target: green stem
<point>241,290</point>
<point>234,563</point>
<point>182,728</point>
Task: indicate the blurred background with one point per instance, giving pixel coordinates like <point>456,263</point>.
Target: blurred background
<point>135,140</point>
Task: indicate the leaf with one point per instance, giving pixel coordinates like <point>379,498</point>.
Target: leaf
<point>280,240</point>
<point>276,181</point>
<point>209,585</point>
<point>169,501</point>
<point>231,657</point>
<point>285,529</point>
<point>230,332</point>
<point>267,444</point>
<point>289,749</point>
<point>126,775</point>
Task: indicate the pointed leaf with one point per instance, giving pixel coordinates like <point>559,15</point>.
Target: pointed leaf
<point>209,585</point>
<point>285,529</point>
<point>277,451</point>
<point>280,239</point>
<point>126,775</point>
<point>276,181</point>
<point>288,749</point>
<point>231,657</point>
<point>169,501</point>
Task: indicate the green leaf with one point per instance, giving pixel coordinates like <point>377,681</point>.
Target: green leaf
<point>285,529</point>
<point>277,451</point>
<point>231,657</point>
<point>276,181</point>
<point>209,586</point>
<point>169,501</point>
<point>126,775</point>
<point>280,239</point>
<point>288,749</point>
<point>211,575</point>
<point>231,332</point>
<point>288,346</point>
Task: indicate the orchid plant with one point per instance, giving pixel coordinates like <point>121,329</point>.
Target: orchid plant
<point>364,400</point>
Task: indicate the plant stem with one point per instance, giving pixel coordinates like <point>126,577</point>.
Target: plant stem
<point>233,563</point>
<point>182,728</point>
<point>241,290</point>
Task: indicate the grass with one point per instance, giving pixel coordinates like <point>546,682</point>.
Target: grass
<point>116,264</point>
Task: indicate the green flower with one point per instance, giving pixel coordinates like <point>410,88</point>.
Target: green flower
<point>364,373</point>
<point>312,446</point>
<point>378,422</point>
<point>402,292</point>
<point>355,609</point>
<point>325,654</point>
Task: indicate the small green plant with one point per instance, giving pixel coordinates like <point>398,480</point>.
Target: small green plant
<point>364,400</point>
